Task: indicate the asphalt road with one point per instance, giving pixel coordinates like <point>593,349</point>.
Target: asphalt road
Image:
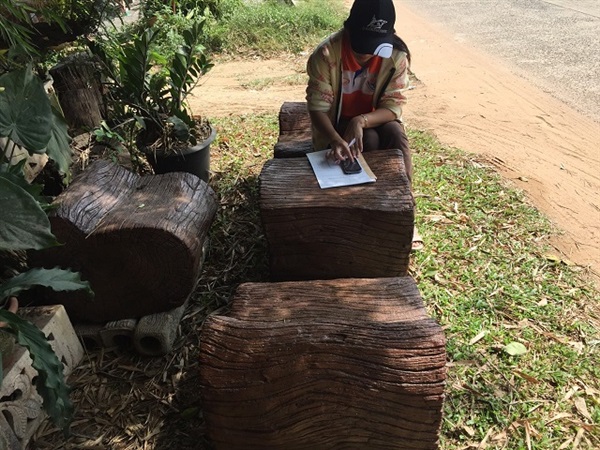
<point>555,44</point>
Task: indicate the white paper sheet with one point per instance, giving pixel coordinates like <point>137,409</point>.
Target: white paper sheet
<point>329,174</point>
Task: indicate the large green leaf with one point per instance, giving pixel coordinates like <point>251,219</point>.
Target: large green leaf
<point>25,113</point>
<point>50,382</point>
<point>515,349</point>
<point>180,129</point>
<point>58,148</point>
<point>23,223</point>
<point>135,64</point>
<point>57,279</point>
<point>15,175</point>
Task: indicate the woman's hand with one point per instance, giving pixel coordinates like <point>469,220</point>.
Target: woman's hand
<point>340,150</point>
<point>354,131</point>
<point>351,144</point>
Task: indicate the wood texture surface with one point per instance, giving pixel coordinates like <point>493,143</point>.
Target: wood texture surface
<point>295,136</point>
<point>355,231</point>
<point>337,364</point>
<point>138,240</point>
<point>293,119</point>
<point>293,148</point>
<point>77,85</point>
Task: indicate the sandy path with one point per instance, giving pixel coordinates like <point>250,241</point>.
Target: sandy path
<point>470,101</point>
<point>245,87</point>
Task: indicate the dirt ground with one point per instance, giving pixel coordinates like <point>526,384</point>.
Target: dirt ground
<point>470,101</point>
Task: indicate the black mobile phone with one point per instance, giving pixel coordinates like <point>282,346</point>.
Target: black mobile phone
<point>351,167</point>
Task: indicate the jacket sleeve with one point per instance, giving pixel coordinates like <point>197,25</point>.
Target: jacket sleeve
<point>393,98</point>
<point>319,91</point>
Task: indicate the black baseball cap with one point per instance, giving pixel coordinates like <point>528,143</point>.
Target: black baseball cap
<point>371,27</point>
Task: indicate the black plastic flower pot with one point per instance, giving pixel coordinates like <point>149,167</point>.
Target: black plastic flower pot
<point>194,160</point>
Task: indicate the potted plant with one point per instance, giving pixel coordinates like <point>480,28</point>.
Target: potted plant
<point>38,25</point>
<point>150,90</point>
<point>27,120</point>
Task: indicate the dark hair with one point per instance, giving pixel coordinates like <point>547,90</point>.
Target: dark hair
<point>401,45</point>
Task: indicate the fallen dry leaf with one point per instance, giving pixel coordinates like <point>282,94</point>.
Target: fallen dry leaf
<point>478,337</point>
<point>591,391</point>
<point>581,407</point>
<point>578,437</point>
<point>437,218</point>
<point>500,437</point>
<point>559,416</point>
<point>566,444</point>
<point>578,346</point>
<point>527,436</point>
<point>526,377</point>
<point>569,394</point>
<point>469,430</point>
<point>483,444</point>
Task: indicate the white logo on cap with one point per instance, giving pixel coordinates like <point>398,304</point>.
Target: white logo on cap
<point>384,50</point>
<point>376,25</point>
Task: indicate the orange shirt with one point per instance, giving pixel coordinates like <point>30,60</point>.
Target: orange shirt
<point>358,83</point>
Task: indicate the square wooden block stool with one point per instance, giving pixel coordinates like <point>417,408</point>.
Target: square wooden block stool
<point>360,231</point>
<point>332,364</point>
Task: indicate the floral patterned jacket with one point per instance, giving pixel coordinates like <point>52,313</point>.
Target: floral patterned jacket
<point>323,92</point>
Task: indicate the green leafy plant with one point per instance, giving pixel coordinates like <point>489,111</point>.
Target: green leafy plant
<point>148,90</point>
<point>28,120</point>
<point>28,29</point>
<point>50,382</point>
<point>26,226</point>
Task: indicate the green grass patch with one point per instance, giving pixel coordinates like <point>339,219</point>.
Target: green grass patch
<point>260,84</point>
<point>272,27</point>
<point>484,275</point>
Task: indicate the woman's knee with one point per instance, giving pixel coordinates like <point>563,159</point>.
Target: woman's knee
<point>392,135</point>
<point>370,139</point>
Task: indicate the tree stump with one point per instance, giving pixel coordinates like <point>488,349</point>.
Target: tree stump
<point>78,88</point>
<point>138,240</point>
<point>338,364</point>
<point>295,136</point>
<point>349,232</point>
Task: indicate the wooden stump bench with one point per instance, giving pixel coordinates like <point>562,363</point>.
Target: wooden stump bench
<point>337,364</point>
<point>295,138</point>
<point>356,231</point>
<point>138,240</point>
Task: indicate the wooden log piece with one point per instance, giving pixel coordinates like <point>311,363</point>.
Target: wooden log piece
<point>138,240</point>
<point>337,364</point>
<point>293,148</point>
<point>294,131</point>
<point>293,119</point>
<point>347,232</point>
<point>77,85</point>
